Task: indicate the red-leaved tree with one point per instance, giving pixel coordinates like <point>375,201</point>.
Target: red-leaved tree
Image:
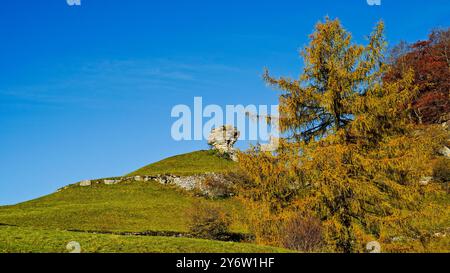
<point>430,61</point>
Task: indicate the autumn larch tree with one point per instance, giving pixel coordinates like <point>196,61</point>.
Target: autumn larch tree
<point>349,155</point>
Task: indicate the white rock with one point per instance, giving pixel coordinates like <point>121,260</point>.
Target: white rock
<point>440,235</point>
<point>110,182</point>
<point>223,139</point>
<point>425,180</point>
<point>445,151</point>
<point>398,239</point>
<point>85,183</point>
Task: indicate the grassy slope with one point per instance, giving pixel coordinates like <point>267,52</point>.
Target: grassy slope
<point>26,240</point>
<point>188,164</point>
<point>127,207</point>
<point>44,224</point>
<point>434,218</point>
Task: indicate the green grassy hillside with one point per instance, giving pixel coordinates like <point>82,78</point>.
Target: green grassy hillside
<point>101,217</point>
<point>125,207</point>
<point>188,164</point>
<point>47,224</point>
<point>28,240</point>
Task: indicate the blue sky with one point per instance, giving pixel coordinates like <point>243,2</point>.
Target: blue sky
<point>86,91</point>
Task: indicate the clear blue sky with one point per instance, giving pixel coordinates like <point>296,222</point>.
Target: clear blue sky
<point>86,92</point>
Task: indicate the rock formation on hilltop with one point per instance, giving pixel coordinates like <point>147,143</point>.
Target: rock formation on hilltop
<point>223,139</point>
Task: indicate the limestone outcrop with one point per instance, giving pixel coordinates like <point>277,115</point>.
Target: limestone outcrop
<point>208,184</point>
<point>85,183</point>
<point>223,139</point>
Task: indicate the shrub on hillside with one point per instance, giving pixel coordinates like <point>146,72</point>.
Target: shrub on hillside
<point>208,221</point>
<point>441,170</point>
<point>219,186</point>
<point>303,234</point>
<point>226,184</point>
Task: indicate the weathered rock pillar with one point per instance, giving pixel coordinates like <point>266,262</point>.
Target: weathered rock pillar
<point>223,139</point>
